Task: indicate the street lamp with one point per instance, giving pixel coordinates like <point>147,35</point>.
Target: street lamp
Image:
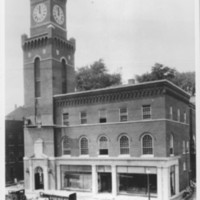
<point>148,183</point>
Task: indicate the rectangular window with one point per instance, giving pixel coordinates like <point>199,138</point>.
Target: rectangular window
<point>102,116</point>
<point>171,145</point>
<point>185,117</point>
<point>146,111</point>
<point>184,147</point>
<point>187,147</point>
<point>171,113</point>
<point>66,119</point>
<point>83,117</point>
<point>184,166</point>
<point>178,115</point>
<point>123,114</point>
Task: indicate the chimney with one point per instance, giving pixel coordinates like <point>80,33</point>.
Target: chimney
<point>131,81</point>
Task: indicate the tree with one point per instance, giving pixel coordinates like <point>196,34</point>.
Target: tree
<point>185,80</point>
<point>95,76</point>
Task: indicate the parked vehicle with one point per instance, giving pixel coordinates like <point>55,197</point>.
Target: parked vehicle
<point>16,195</point>
<point>188,192</point>
<point>58,197</point>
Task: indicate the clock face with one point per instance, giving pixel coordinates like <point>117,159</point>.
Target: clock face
<point>58,14</point>
<point>39,12</point>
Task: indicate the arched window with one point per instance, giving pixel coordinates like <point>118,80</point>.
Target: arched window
<point>66,150</point>
<point>147,145</point>
<point>39,180</point>
<point>84,146</point>
<point>171,144</point>
<point>37,77</point>
<point>64,77</point>
<point>124,145</point>
<point>103,145</point>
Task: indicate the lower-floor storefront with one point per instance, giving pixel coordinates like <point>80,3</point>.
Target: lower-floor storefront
<point>129,179</point>
<point>157,178</point>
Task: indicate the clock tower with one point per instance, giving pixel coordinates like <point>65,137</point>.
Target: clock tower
<point>48,13</point>
<point>48,59</point>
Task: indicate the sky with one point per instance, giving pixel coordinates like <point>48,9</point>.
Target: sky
<point>129,35</point>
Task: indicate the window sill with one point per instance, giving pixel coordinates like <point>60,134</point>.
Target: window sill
<point>66,156</point>
<point>124,155</point>
<point>84,156</point>
<point>103,156</point>
<point>147,156</point>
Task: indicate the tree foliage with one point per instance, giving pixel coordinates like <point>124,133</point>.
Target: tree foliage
<point>185,80</point>
<point>95,76</point>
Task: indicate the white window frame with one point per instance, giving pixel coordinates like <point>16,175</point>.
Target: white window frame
<point>83,118</point>
<point>99,148</point>
<point>171,112</point>
<point>178,115</point>
<point>171,144</point>
<point>123,114</point>
<point>65,149</point>
<point>185,117</point>
<point>184,147</point>
<point>184,166</point>
<point>143,146</point>
<point>80,147</point>
<point>124,147</point>
<point>101,117</point>
<point>64,120</point>
<point>187,147</point>
<point>150,111</point>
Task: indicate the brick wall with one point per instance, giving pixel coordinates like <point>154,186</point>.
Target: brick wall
<point>134,111</point>
<point>33,134</point>
<point>113,131</point>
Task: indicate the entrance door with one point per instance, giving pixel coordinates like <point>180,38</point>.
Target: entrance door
<point>104,182</point>
<point>39,180</point>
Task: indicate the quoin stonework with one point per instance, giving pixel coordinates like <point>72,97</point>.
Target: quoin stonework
<point>127,141</point>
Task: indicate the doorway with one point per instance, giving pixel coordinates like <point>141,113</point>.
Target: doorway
<point>39,178</point>
<point>104,182</point>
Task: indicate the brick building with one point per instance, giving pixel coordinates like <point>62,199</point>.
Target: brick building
<point>14,146</point>
<point>128,140</point>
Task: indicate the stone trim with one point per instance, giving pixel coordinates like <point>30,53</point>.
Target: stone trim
<point>121,93</point>
<point>127,95</point>
<point>50,58</point>
<point>44,39</point>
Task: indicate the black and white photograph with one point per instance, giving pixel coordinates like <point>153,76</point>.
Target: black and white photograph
<point>100,99</point>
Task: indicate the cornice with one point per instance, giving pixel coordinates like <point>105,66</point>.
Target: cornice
<point>44,39</point>
<point>107,96</point>
<point>121,93</point>
<point>49,58</point>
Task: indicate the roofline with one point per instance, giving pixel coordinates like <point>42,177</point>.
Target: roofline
<point>124,86</point>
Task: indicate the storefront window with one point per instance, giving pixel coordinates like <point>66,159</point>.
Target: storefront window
<point>78,178</point>
<point>137,183</point>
